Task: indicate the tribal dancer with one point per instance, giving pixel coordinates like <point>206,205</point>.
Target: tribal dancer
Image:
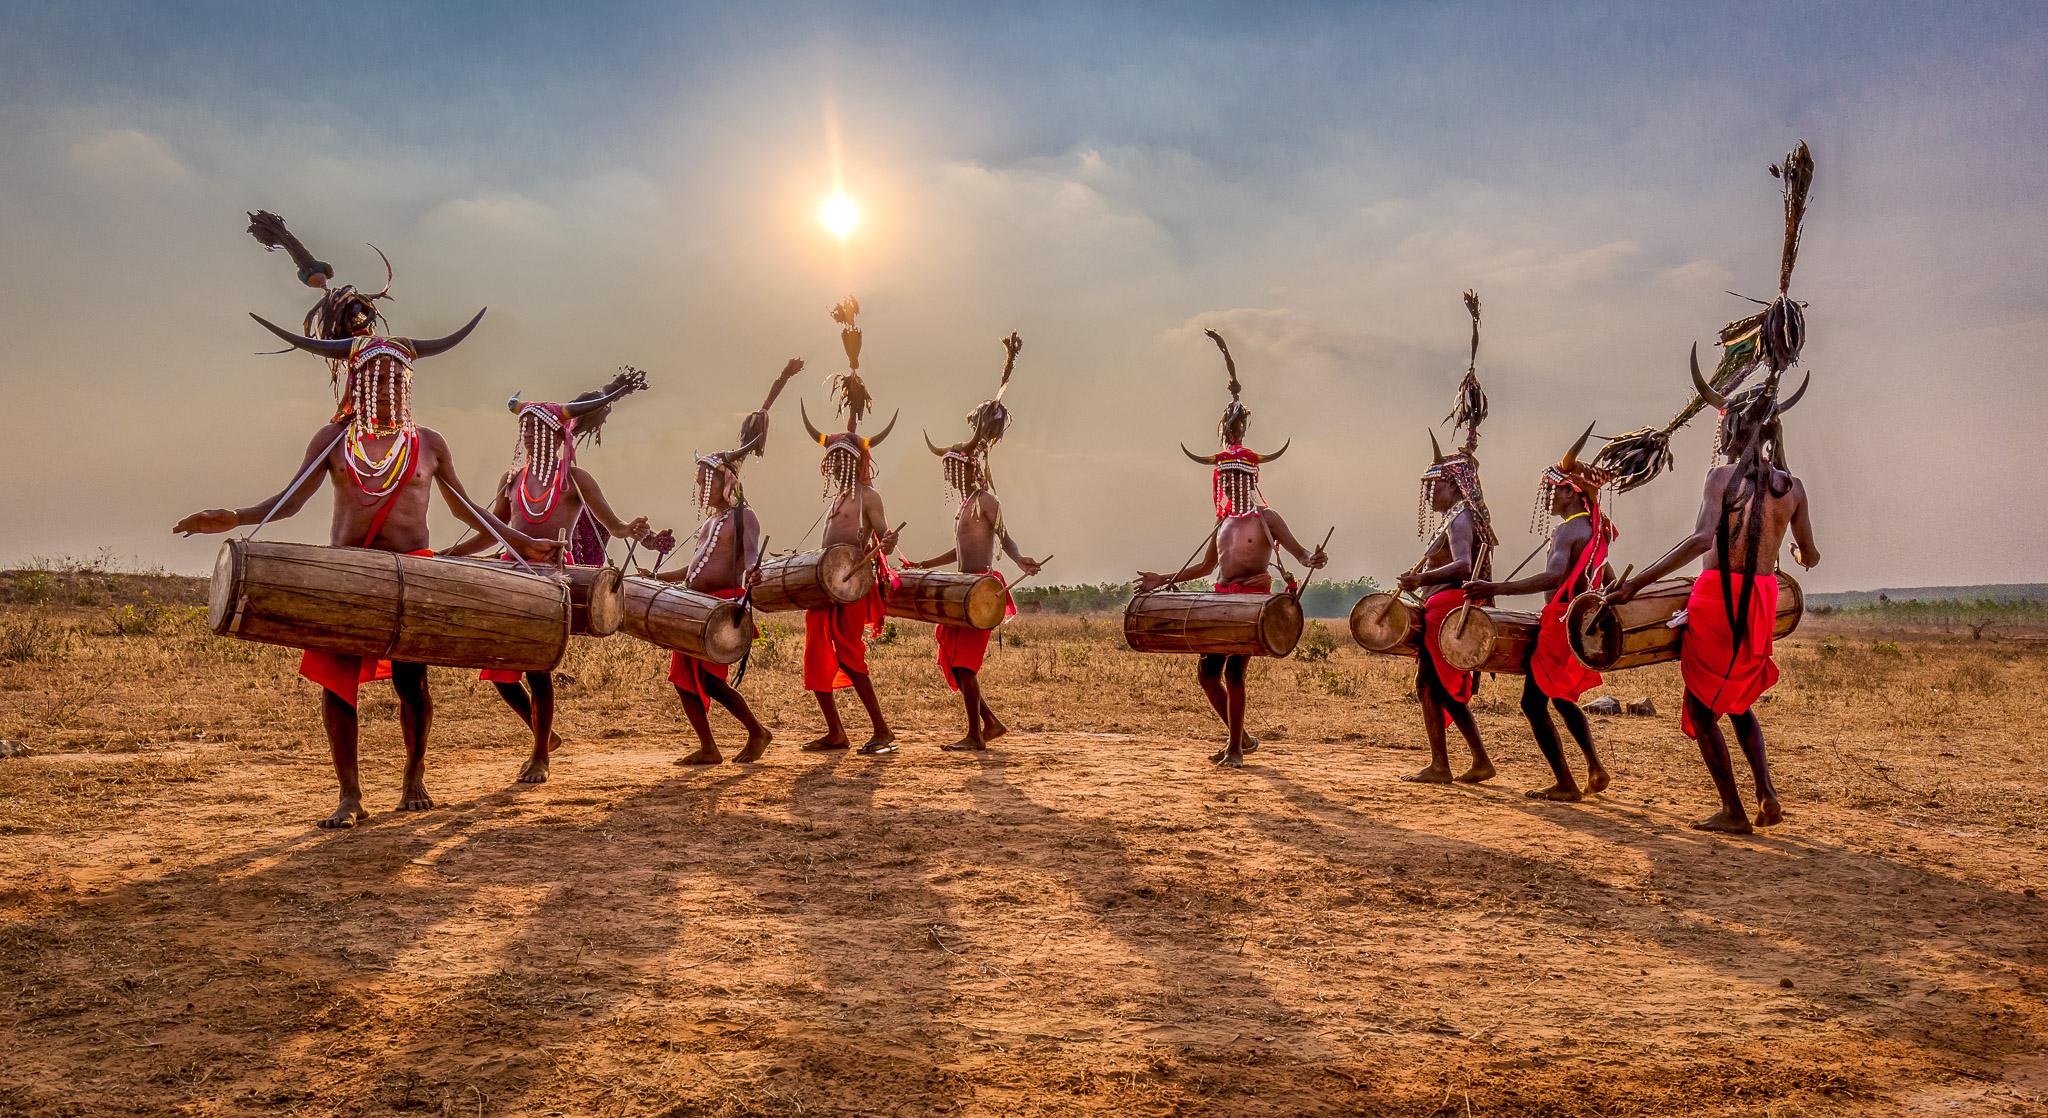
<point>1241,547</point>
<point>977,528</point>
<point>1460,551</point>
<point>728,546</point>
<point>835,651</point>
<point>380,462</point>
<point>1578,554</point>
<point>553,496</point>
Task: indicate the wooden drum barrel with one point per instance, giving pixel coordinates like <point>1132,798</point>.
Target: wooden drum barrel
<point>1230,624</point>
<point>835,576</point>
<point>594,604</point>
<point>973,601</point>
<point>416,610</point>
<point>1387,623</point>
<point>1488,639</point>
<point>1638,632</point>
<point>713,629</point>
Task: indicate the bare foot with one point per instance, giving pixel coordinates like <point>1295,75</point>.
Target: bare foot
<point>706,755</point>
<point>1563,793</point>
<point>757,744</point>
<point>1233,758</point>
<point>967,744</point>
<point>415,798</point>
<point>879,744</point>
<point>535,770</point>
<point>992,727</point>
<point>826,742</point>
<point>1435,774</point>
<point>1767,814</point>
<point>345,816</point>
<point>1596,779</point>
<point>1251,746</point>
<point>1480,771</point>
<point>1725,822</point>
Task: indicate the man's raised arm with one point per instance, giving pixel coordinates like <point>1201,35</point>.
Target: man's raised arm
<point>286,503</point>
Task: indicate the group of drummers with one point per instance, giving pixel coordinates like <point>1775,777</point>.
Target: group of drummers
<point>549,525</point>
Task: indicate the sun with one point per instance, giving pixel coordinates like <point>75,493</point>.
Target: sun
<point>839,215</point>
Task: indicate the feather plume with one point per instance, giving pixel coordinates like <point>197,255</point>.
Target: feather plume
<point>849,334</point>
<point>754,428</point>
<point>270,232</point>
<point>1011,345</point>
<point>1468,408</point>
<point>1229,365</point>
<point>1797,175</point>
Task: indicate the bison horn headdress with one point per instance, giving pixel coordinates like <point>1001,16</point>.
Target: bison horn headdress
<point>1468,410</point>
<point>848,463</point>
<point>966,463</point>
<point>1236,477</point>
<point>546,451</point>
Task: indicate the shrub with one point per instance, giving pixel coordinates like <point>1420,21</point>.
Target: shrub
<point>143,620</point>
<point>1317,643</point>
<point>31,638</point>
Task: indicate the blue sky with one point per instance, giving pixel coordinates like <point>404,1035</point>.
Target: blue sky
<point>637,184</point>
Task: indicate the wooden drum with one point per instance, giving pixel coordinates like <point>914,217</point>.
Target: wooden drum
<point>1230,624</point>
<point>835,576</point>
<point>972,601</point>
<point>416,610</point>
<point>716,630</point>
<point>1488,639</point>
<point>1387,623</point>
<point>594,604</point>
<point>1639,632</point>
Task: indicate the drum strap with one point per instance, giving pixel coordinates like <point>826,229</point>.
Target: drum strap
<point>296,482</point>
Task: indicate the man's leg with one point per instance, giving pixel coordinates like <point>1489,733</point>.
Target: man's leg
<point>415,718</point>
<point>1714,750</point>
<point>700,721</point>
<point>542,721</point>
<point>1209,673</point>
<point>515,697</point>
<point>835,732</point>
<point>338,715</point>
<point>1575,721</point>
<point>969,683</point>
<point>1427,693</point>
<point>1233,689</point>
<point>735,704</point>
<point>884,738</point>
<point>1536,708</point>
<point>1750,733</point>
<point>821,667</point>
<point>1461,715</point>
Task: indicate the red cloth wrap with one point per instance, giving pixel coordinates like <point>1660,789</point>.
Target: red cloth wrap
<point>1458,685</point>
<point>344,674</point>
<point>962,647</point>
<point>1728,681</point>
<point>687,672</point>
<point>833,640</point>
<point>1558,674</point>
<point>1256,584</point>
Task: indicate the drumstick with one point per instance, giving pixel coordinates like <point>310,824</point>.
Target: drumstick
<point>1525,562</point>
<point>1041,566</point>
<point>877,550</point>
<point>561,553</point>
<point>1465,611</point>
<point>747,599</point>
<point>1310,577</point>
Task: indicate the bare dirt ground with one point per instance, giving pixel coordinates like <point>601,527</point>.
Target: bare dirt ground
<point>1087,919</point>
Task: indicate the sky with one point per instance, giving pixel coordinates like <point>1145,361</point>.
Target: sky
<point>639,184</point>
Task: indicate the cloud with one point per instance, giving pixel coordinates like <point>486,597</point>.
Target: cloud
<point>124,157</point>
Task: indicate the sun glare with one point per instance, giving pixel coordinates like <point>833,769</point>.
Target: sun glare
<point>839,215</point>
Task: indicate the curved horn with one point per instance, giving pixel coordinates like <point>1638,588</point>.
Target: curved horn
<point>1700,385</point>
<point>870,444</point>
<point>1436,449</point>
<point>1571,457</point>
<point>1275,456</point>
<point>745,448</point>
<point>1209,461</point>
<point>386,293</point>
<point>816,436</point>
<point>580,408</point>
<point>1781,409</point>
<point>512,404</point>
<point>435,347</point>
<point>334,349</point>
<point>928,445</point>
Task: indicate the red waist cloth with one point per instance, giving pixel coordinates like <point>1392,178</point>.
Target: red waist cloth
<point>341,674</point>
<point>687,672</point>
<point>833,643</point>
<point>1726,679</point>
<point>1458,685</point>
<point>1558,674</point>
<point>962,647</point>
<point>1256,584</point>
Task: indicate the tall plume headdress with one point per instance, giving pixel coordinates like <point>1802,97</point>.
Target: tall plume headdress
<point>342,311</point>
<point>548,434</point>
<point>966,463</point>
<point>1236,478</point>
<point>1770,339</point>
<point>753,440</point>
<point>1468,410</point>
<point>848,462</point>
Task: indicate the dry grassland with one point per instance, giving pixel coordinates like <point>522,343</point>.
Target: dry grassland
<point>1087,919</point>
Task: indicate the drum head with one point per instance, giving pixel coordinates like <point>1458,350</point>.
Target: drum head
<point>1280,625</point>
<point>728,633</point>
<point>844,573</point>
<point>985,603</point>
<point>1381,621</point>
<point>607,602</point>
<point>220,596</point>
<point>1593,631</point>
<point>1791,605</point>
<point>1467,638</point>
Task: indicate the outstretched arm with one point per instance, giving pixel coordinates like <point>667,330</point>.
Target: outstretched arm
<point>539,551</point>
<point>1277,525</point>
<point>501,507</point>
<point>286,504</point>
<point>1804,552</point>
<point>1149,581</point>
<point>991,510</point>
<point>935,561</point>
<point>1688,549</point>
<point>593,499</point>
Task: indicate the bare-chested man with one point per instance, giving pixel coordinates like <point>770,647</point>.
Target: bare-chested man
<point>1240,550</point>
<point>1450,488</point>
<point>835,650</point>
<point>555,498</point>
<point>1577,556</point>
<point>379,462</point>
<point>977,528</point>
<point>728,544</point>
<point>1725,657</point>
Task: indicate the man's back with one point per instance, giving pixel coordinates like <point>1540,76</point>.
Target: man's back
<point>1784,498</point>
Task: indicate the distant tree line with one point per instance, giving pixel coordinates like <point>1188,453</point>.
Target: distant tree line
<point>1323,598</point>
